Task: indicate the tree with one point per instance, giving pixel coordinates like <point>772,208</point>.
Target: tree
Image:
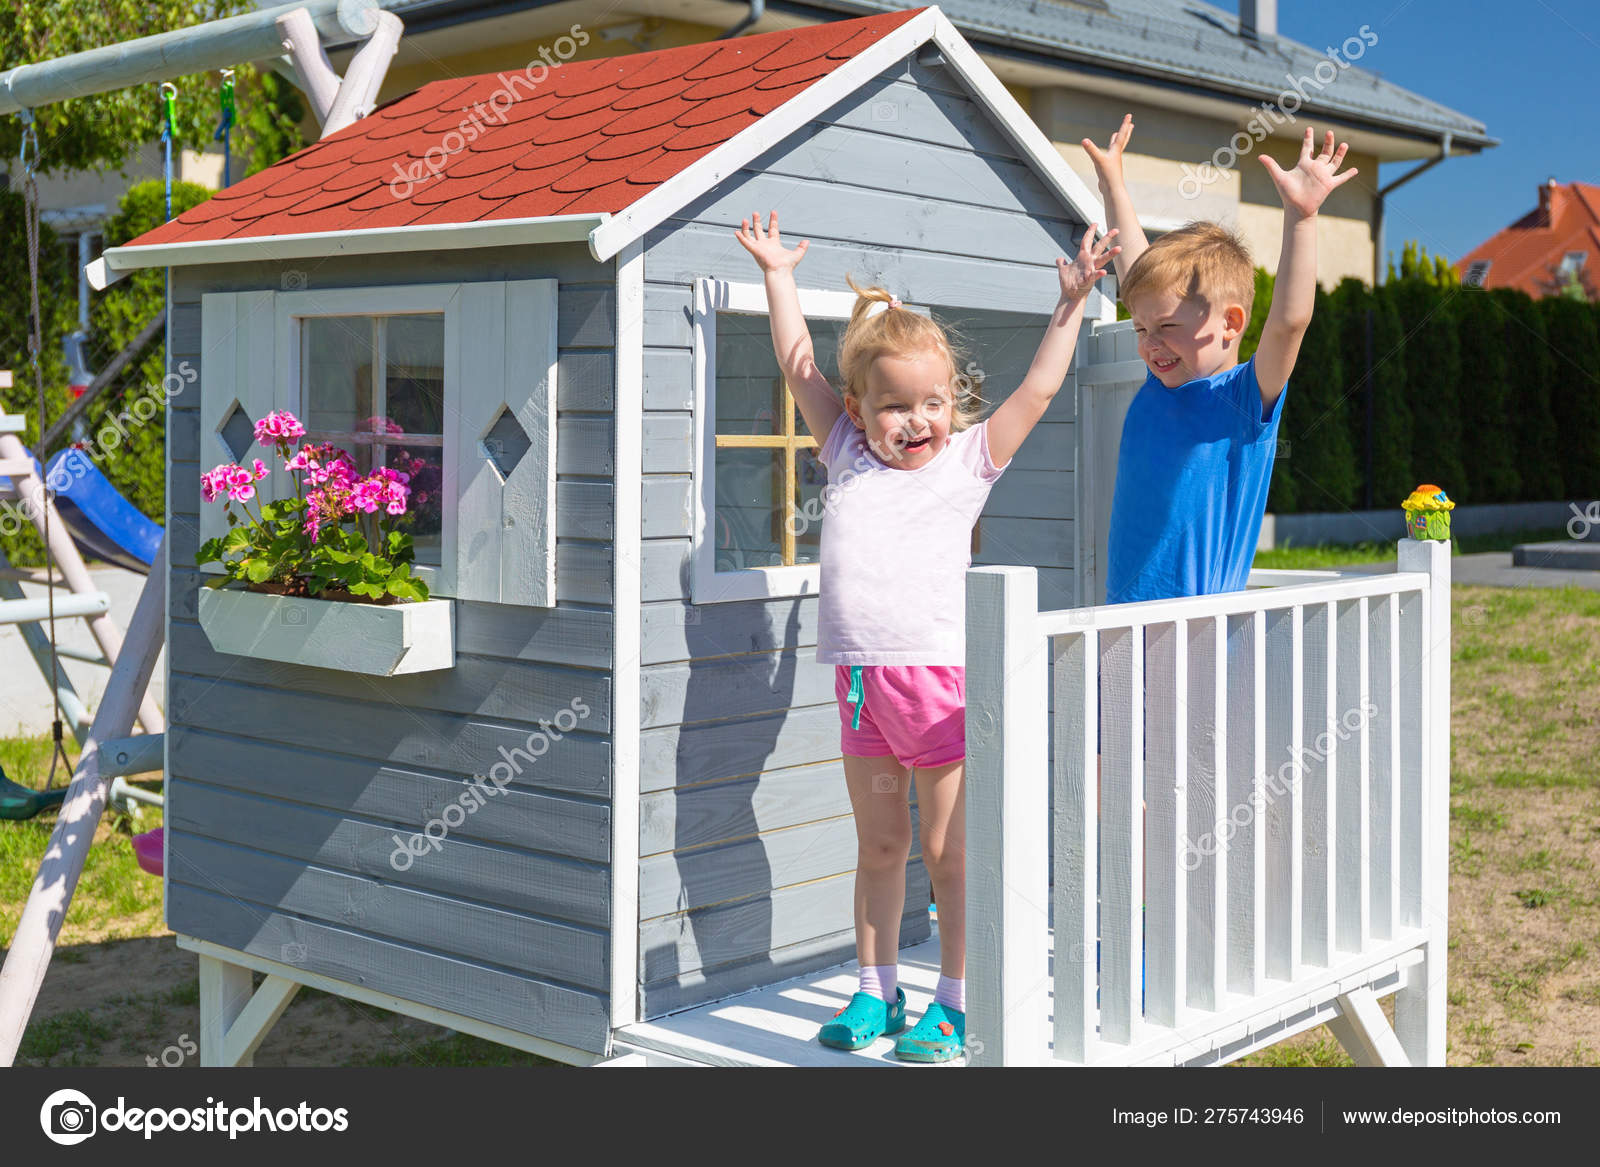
<point>1486,398</point>
<point>1416,264</point>
<point>101,131</point>
<point>1570,329</point>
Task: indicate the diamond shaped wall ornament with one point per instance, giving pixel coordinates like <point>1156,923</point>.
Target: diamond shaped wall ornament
<point>505,442</point>
<point>238,432</point>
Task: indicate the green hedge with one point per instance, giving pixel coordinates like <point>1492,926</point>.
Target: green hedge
<point>1493,395</point>
<point>1572,331</point>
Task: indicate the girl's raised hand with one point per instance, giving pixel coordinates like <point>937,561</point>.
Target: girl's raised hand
<point>1108,162</point>
<point>1079,276</point>
<point>766,246</point>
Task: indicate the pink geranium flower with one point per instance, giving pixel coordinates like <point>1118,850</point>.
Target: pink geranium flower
<point>280,425</point>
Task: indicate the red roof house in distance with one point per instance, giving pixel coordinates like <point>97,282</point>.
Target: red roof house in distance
<point>1546,249</point>
<point>527,294</point>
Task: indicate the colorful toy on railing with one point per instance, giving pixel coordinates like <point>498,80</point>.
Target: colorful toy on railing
<point>1428,513</point>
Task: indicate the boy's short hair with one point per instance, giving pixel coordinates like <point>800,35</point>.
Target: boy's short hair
<point>1199,258</point>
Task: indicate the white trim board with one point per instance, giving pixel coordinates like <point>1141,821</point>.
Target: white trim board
<point>626,587</point>
<point>119,261</point>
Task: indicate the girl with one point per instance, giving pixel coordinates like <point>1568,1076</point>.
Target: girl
<point>909,473</point>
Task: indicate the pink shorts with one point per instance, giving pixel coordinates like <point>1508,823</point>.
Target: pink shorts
<point>917,713</point>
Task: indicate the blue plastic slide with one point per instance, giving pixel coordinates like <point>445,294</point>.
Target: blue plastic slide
<point>103,523</point>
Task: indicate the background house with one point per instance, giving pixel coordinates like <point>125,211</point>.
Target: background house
<point>1554,247</point>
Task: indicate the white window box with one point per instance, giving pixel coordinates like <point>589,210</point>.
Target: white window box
<point>378,639</point>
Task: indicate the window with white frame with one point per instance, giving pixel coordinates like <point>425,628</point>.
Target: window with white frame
<point>453,384</point>
<point>757,466</point>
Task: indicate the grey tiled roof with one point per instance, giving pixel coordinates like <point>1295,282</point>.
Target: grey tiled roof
<point>1185,42</point>
<point>1195,44</point>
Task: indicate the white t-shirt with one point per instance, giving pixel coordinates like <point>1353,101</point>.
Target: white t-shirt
<point>895,548</point>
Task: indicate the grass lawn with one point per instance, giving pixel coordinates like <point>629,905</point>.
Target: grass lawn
<point>1524,900</point>
<point>1292,558</point>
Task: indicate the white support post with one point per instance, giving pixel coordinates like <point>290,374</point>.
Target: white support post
<point>1419,1006</point>
<point>1007,817</point>
<point>1364,1031</point>
<point>224,992</point>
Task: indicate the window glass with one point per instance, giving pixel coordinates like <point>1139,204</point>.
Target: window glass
<point>374,385</point>
<point>766,466</point>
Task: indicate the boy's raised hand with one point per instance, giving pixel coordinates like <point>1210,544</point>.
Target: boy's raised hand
<point>1314,177</point>
<point>1108,162</point>
<point>766,246</point>
<point>1078,276</point>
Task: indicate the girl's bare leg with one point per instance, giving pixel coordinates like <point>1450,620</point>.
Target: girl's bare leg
<point>942,809</point>
<point>880,795</point>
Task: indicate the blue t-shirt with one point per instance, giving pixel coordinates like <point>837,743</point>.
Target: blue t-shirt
<point>1192,476</point>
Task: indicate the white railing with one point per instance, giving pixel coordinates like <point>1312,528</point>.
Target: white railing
<point>1269,851</point>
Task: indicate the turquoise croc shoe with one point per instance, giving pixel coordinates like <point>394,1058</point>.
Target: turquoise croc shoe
<point>864,1020</point>
<point>940,1036</point>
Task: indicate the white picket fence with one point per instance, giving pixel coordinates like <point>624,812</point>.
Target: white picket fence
<point>1270,848</point>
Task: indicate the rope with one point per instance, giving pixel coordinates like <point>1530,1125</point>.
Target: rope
<point>224,132</point>
<point>30,216</point>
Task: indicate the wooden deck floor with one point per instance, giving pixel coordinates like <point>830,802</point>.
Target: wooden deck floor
<point>777,1026</point>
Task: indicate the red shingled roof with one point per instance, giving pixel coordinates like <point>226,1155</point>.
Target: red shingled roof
<point>592,136</point>
<point>1528,253</point>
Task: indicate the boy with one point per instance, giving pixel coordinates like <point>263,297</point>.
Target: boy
<point>1198,443</point>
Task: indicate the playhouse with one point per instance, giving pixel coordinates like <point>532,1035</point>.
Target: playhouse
<point>531,287</point>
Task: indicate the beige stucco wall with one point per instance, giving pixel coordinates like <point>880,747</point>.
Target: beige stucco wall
<point>1171,179</point>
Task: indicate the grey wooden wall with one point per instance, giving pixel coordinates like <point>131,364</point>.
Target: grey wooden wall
<point>288,785</point>
<point>746,841</point>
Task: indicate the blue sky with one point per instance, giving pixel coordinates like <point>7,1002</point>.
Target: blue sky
<point>1526,70</point>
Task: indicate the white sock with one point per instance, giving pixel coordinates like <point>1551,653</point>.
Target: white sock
<point>880,981</point>
<point>952,993</point>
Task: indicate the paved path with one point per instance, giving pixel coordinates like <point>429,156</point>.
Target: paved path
<point>25,702</point>
<point>1494,569</point>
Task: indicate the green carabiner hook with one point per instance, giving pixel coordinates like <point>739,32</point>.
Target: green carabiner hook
<point>169,101</point>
